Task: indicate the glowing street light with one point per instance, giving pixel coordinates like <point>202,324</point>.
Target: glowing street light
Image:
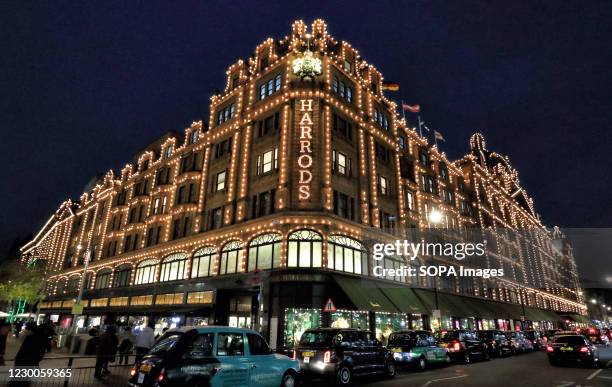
<point>435,216</point>
<point>593,301</point>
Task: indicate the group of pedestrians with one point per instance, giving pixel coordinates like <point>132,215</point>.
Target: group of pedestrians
<point>113,343</point>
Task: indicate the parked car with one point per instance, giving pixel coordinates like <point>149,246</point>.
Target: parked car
<point>520,342</point>
<point>535,338</point>
<point>417,349</point>
<point>596,336</point>
<point>572,349</point>
<point>340,354</point>
<point>499,345</point>
<point>213,356</point>
<point>463,345</point>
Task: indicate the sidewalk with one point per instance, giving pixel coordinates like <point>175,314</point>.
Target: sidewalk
<point>82,367</point>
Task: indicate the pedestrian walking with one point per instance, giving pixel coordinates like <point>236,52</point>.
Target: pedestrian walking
<point>126,345</point>
<point>106,350</point>
<point>145,340</point>
<point>32,350</point>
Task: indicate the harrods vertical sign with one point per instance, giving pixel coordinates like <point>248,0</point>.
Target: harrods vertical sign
<point>306,191</point>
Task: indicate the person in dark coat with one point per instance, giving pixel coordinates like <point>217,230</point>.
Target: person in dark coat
<point>5,328</point>
<point>106,350</point>
<point>31,352</point>
<point>92,343</point>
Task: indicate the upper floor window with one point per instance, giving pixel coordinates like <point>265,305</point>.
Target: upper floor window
<point>193,138</point>
<point>142,188</point>
<point>192,161</point>
<point>381,119</point>
<point>219,184</point>
<point>347,65</point>
<point>145,272</point>
<point>130,242</point>
<point>264,252</point>
<point>383,185</point>
<point>270,87</point>
<point>153,235</point>
<point>122,276</point>
<point>345,254</point>
<point>223,148</point>
<point>305,249</point>
<point>382,153</point>
<point>102,279</point>
<point>145,165</point>
<point>443,172</point>
<point>409,199</point>
<point>181,227</point>
<point>402,142</point>
<point>202,262</point>
<point>263,204</point>
<point>343,89</point>
<point>226,113</point>
<point>159,205</point>
<point>344,205</point>
<point>268,125</point>
<point>119,201</point>
<point>187,193</point>
<point>216,218</point>
<point>341,163</point>
<point>423,158</point>
<point>163,176</point>
<point>343,127</point>
<point>231,258</point>
<point>173,267</point>
<point>168,151</point>
<point>267,161</point>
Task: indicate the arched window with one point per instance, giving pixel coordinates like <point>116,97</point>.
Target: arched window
<point>264,252</point>
<point>73,284</point>
<point>305,248</point>
<point>145,272</point>
<point>346,254</point>
<point>103,279</point>
<point>122,276</point>
<point>173,267</point>
<point>61,285</point>
<point>202,262</point>
<point>231,257</point>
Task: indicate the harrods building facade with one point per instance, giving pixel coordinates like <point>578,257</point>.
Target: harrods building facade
<point>257,217</point>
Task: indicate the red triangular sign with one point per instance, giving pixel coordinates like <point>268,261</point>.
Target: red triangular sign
<point>329,306</point>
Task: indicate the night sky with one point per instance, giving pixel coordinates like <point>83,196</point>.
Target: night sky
<point>85,85</point>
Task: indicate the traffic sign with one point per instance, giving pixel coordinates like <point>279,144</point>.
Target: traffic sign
<point>329,306</point>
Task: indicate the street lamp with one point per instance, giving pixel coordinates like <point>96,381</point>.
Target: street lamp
<point>593,301</point>
<point>75,316</point>
<point>435,216</point>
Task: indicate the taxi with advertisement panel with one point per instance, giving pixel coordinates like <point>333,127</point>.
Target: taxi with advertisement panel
<point>214,356</point>
<point>416,348</point>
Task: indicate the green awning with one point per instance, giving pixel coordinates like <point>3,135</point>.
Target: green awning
<point>405,299</point>
<point>448,304</point>
<point>365,295</point>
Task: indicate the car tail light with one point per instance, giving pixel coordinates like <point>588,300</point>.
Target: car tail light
<point>584,349</point>
<point>591,330</point>
<point>550,349</point>
<point>133,371</point>
<point>161,376</point>
<point>326,356</point>
<point>457,346</point>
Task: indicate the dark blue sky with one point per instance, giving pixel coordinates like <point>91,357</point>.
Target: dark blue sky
<point>84,85</point>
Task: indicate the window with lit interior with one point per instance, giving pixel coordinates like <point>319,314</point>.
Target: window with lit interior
<point>346,254</point>
<point>264,252</point>
<point>173,267</point>
<point>305,247</point>
<point>231,257</point>
<point>145,272</point>
<point>202,262</point>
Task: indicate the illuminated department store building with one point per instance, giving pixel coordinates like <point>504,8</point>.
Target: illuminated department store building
<point>257,217</point>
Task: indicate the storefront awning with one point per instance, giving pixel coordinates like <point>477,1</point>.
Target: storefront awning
<point>404,299</point>
<point>448,304</point>
<point>573,317</point>
<point>365,295</point>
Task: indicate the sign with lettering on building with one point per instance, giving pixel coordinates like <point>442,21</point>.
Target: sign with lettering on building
<point>305,145</point>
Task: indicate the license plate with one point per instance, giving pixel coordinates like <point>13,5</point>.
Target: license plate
<point>306,359</point>
<point>566,349</point>
<point>444,345</point>
<point>145,368</point>
<point>308,354</point>
<point>141,377</point>
<point>396,350</point>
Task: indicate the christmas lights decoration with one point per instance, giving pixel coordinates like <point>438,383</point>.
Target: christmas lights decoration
<point>307,60</point>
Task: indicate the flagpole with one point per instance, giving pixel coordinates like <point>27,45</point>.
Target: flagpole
<point>404,111</point>
<point>420,130</point>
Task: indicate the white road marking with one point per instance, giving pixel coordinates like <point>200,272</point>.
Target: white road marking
<point>605,377</point>
<point>438,380</point>
<point>594,374</point>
